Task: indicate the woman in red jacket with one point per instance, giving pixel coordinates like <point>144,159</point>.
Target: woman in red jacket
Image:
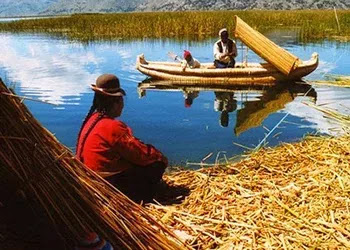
<point>107,145</point>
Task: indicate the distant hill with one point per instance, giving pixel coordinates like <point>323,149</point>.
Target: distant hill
<point>92,6</point>
<point>57,7</point>
<point>171,5</point>
<point>24,7</point>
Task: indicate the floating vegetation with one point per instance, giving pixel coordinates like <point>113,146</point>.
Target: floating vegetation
<point>310,24</point>
<point>293,196</point>
<point>342,119</point>
<point>335,80</point>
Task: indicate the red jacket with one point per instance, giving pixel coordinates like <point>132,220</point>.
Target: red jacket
<point>111,147</point>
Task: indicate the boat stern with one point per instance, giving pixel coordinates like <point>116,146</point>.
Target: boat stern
<point>140,59</point>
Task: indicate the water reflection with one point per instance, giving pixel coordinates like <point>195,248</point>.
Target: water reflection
<point>254,109</point>
<point>189,96</point>
<point>224,103</point>
<point>187,124</point>
<point>273,99</point>
<point>11,19</point>
<point>55,72</point>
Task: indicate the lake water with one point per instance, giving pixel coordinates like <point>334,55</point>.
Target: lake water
<point>11,19</point>
<point>60,72</point>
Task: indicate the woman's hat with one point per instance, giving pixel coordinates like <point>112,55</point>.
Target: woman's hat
<point>108,84</point>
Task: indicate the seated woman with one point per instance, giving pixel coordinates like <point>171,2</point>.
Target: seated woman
<point>108,146</point>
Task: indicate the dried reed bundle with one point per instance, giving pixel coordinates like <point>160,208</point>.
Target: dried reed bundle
<point>74,198</point>
<point>293,196</point>
<point>335,80</point>
<point>283,60</point>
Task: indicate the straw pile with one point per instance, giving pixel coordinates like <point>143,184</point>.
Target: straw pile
<point>293,196</point>
<point>75,199</point>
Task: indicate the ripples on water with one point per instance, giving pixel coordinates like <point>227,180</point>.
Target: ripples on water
<point>186,124</point>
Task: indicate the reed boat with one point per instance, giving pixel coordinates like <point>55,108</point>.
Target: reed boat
<point>280,65</point>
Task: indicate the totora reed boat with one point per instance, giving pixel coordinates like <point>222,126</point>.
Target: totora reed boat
<point>280,65</point>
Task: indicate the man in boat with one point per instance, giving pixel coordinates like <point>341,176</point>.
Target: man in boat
<point>189,61</point>
<point>107,145</point>
<point>225,51</point>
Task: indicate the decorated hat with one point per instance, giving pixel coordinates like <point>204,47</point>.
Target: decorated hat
<point>186,54</point>
<point>108,84</point>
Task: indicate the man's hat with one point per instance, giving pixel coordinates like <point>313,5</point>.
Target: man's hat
<point>186,53</point>
<point>108,84</point>
<point>223,31</point>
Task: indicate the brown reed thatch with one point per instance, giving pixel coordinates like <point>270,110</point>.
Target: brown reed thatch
<point>295,196</point>
<point>75,199</point>
<point>283,60</point>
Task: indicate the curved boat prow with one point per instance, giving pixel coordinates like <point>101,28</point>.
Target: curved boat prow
<point>140,59</point>
<point>305,68</point>
<point>315,59</point>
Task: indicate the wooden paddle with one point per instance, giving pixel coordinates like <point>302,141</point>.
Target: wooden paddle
<point>174,57</point>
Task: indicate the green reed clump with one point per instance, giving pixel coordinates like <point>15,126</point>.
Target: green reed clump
<point>311,24</point>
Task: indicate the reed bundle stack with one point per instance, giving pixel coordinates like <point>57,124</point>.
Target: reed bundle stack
<point>77,201</point>
<point>283,60</point>
<point>294,196</point>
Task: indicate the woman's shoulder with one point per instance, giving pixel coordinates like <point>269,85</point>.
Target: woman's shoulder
<point>111,128</point>
<point>113,124</point>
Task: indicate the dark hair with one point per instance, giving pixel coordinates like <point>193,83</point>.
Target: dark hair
<point>102,104</point>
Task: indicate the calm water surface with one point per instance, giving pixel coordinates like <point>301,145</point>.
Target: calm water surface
<point>187,124</point>
<point>11,19</point>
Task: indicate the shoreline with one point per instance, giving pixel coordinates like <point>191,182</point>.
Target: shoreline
<point>136,25</point>
<point>293,195</point>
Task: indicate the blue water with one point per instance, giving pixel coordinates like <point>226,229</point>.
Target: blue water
<point>60,72</point>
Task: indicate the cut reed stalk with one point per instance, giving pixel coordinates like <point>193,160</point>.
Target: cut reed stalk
<point>292,196</point>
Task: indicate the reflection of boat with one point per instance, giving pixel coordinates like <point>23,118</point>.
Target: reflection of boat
<point>281,65</point>
<point>159,85</point>
<point>274,99</point>
<point>254,112</point>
